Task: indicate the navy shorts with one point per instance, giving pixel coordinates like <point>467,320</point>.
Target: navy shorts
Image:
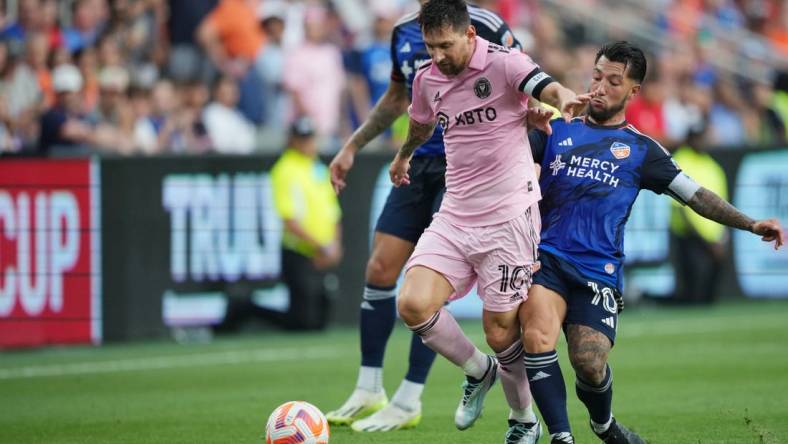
<point>409,208</point>
<point>589,302</point>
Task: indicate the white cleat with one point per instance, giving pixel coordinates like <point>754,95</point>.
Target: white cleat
<point>520,433</point>
<point>391,417</point>
<point>474,391</point>
<point>361,403</point>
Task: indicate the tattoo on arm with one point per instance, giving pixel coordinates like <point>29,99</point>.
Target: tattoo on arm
<point>713,207</point>
<point>392,105</point>
<point>418,133</point>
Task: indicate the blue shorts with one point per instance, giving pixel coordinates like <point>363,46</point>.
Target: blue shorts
<point>409,209</point>
<point>588,301</point>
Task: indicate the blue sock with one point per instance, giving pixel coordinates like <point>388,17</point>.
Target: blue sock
<point>548,389</point>
<point>421,359</point>
<point>598,399</point>
<point>378,313</point>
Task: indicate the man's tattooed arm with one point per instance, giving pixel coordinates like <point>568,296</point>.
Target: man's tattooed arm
<point>390,106</point>
<point>713,207</point>
<point>418,133</point>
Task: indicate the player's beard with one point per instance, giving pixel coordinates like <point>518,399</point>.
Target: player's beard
<point>604,115</point>
<point>449,69</point>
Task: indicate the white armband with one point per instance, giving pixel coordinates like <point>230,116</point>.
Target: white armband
<point>682,188</point>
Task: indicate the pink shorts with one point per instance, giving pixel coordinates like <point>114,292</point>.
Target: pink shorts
<point>499,258</point>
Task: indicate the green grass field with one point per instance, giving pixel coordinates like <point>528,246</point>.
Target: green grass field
<point>702,375</point>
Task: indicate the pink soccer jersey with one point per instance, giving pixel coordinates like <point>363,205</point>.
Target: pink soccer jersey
<point>490,177</point>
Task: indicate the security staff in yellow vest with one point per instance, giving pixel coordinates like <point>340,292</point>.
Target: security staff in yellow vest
<point>311,241</point>
<point>699,244</point>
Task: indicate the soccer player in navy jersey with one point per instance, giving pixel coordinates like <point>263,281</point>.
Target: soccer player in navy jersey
<point>592,169</point>
<point>407,212</point>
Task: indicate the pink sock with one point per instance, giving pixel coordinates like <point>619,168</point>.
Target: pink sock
<point>513,378</point>
<point>442,334</point>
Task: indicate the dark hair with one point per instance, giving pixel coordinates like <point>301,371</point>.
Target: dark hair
<point>436,14</point>
<point>630,55</point>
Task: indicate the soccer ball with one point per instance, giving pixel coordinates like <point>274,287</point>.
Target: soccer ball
<point>296,422</point>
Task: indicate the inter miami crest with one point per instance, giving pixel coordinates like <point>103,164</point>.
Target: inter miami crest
<point>482,88</point>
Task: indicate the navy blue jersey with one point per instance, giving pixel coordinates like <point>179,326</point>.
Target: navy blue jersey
<point>591,176</point>
<point>408,53</point>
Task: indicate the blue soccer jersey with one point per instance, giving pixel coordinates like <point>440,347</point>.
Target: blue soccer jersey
<point>408,53</point>
<point>591,176</point>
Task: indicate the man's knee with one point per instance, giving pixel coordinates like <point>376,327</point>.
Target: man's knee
<point>588,351</point>
<point>537,339</point>
<point>381,270</point>
<point>413,309</point>
<point>499,338</point>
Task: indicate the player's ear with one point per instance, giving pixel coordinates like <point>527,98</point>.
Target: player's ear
<point>635,90</point>
<point>470,32</point>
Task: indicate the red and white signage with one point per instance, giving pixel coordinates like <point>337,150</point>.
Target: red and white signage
<point>50,271</point>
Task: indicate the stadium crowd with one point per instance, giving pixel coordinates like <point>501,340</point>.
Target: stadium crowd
<point>128,77</point>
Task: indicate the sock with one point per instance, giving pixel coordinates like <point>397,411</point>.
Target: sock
<point>598,400</point>
<point>515,383</point>
<point>442,334</point>
<point>476,366</point>
<point>548,389</point>
<point>420,360</point>
<point>370,379</point>
<point>408,395</point>
<point>378,314</point>
<point>563,437</point>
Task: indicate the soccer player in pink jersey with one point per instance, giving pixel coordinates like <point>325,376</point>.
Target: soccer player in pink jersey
<point>487,229</point>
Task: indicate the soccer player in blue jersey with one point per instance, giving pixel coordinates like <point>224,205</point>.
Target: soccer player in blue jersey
<point>592,170</point>
<point>407,212</point>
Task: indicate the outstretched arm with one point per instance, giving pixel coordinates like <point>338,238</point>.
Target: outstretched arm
<point>711,206</point>
<point>418,133</point>
<point>391,105</point>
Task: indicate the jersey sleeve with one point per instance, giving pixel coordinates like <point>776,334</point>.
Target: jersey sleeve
<point>396,68</point>
<point>658,170</point>
<point>419,109</point>
<point>525,75</point>
<point>538,141</point>
<point>490,26</point>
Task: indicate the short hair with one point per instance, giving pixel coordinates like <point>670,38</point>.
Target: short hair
<point>630,55</point>
<point>436,14</point>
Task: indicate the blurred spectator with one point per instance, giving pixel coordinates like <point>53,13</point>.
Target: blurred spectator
<point>316,79</point>
<point>233,39</point>
<point>646,110</point>
<point>725,118</point>
<point>28,20</point>
<point>21,94</point>
<point>228,129</point>
<point>37,48</point>
<point>87,61</point>
<point>370,63</point>
<point>87,24</point>
<point>187,61</point>
<point>769,128</point>
<point>63,124</point>
<point>312,239</point>
<point>699,244</point>
<point>154,128</point>
<point>49,23</point>
<point>113,82</point>
<point>271,65</point>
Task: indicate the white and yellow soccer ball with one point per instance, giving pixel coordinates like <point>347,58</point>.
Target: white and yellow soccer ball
<point>296,422</point>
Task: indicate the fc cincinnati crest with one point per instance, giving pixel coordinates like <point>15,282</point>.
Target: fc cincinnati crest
<point>482,88</point>
<point>620,150</point>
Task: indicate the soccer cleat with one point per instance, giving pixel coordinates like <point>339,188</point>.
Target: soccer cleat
<point>618,434</point>
<point>474,391</point>
<point>562,438</point>
<point>521,433</point>
<point>361,403</point>
<point>390,417</point>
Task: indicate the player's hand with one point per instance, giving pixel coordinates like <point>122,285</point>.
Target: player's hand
<point>398,171</point>
<point>539,118</point>
<point>769,230</point>
<point>573,108</point>
<point>339,167</point>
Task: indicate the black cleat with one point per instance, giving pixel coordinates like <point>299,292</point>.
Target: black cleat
<point>618,434</point>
